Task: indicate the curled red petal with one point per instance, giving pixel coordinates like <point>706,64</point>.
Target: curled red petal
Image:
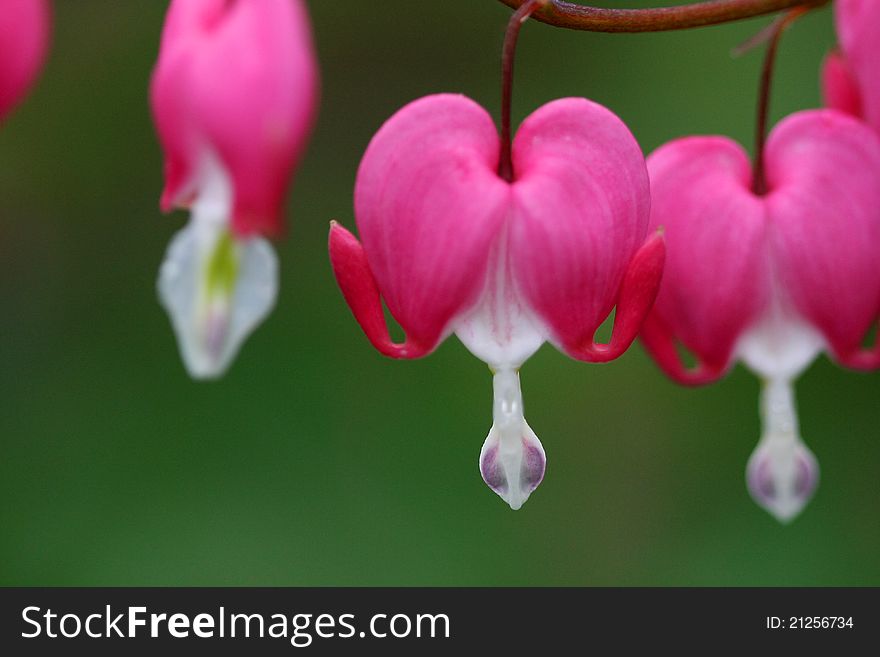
<point>359,288</point>
<point>636,297</point>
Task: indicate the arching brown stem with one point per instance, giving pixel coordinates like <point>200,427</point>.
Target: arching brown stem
<point>596,19</point>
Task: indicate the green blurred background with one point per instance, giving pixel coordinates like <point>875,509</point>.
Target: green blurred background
<point>318,462</point>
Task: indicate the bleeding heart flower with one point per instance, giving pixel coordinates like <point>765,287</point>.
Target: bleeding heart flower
<point>233,94</point>
<point>24,39</point>
<point>770,280</point>
<point>452,247</point>
<point>851,78</point>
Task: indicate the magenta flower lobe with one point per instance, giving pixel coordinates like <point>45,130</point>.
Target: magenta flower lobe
<point>851,78</point>
<point>237,80</point>
<point>24,40</point>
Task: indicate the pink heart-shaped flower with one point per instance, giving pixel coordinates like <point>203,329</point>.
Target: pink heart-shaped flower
<point>851,77</point>
<point>451,246</point>
<point>233,95</point>
<point>235,81</point>
<point>810,245</point>
<point>770,279</point>
<point>430,208</point>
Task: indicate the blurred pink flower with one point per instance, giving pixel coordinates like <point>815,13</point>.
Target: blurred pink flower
<point>24,40</point>
<point>769,280</point>
<point>451,247</point>
<point>233,94</point>
<point>851,77</point>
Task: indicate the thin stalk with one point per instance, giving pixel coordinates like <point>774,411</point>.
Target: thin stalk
<point>508,55</point>
<point>759,175</point>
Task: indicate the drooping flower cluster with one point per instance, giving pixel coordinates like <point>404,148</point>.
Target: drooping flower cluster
<point>233,95</point>
<point>509,246</point>
<point>770,275</point>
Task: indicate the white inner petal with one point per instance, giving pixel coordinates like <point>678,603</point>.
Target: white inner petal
<point>215,288</point>
<point>501,329</point>
<point>780,344</point>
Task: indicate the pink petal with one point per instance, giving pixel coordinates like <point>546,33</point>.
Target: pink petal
<point>428,203</point>
<point>840,90</point>
<point>581,204</point>
<point>716,279</point>
<point>825,211</point>
<point>238,78</point>
<point>24,39</point>
<point>858,28</point>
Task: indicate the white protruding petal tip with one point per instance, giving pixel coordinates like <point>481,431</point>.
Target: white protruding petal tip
<point>513,469</point>
<point>512,461</point>
<point>782,477</point>
<point>212,321</point>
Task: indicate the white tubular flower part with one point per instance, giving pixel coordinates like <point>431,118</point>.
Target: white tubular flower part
<point>782,473</point>
<point>216,287</point>
<point>512,461</point>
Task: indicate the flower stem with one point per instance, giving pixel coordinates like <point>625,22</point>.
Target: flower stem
<point>595,19</point>
<point>520,16</point>
<point>759,176</point>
